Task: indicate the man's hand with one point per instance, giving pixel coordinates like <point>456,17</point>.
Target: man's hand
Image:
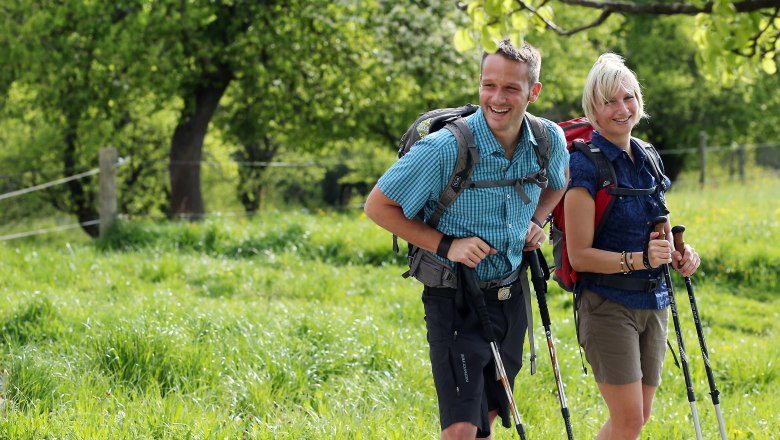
<point>534,238</point>
<point>469,251</point>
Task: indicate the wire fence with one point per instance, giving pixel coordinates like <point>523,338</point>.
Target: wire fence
<point>716,164</point>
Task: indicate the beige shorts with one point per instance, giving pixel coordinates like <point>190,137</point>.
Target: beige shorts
<point>622,344</point>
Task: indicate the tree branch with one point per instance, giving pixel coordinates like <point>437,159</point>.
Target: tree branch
<point>754,41</point>
<point>669,8</point>
<point>605,13</point>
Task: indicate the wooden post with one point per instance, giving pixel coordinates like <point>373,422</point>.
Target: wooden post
<point>108,159</point>
<point>741,158</point>
<point>702,158</point>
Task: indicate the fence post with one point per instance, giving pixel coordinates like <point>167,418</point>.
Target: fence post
<point>108,159</point>
<point>702,158</point>
<point>741,159</point>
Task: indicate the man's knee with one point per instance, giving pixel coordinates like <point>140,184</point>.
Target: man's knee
<point>458,431</point>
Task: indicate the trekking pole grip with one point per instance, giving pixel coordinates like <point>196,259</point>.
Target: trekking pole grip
<point>677,233</point>
<point>657,225</point>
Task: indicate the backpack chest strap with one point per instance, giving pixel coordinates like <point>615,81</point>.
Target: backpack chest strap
<point>538,178</point>
<point>635,191</point>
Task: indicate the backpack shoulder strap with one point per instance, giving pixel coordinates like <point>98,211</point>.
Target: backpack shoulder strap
<point>654,157</point>
<point>468,158</point>
<point>655,161</point>
<point>606,181</point>
<point>605,173</point>
<point>542,136</point>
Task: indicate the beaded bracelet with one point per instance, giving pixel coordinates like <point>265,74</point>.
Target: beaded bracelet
<point>623,262</point>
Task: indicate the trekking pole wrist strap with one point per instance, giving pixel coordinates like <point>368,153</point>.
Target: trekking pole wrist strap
<point>646,260</point>
<point>444,246</point>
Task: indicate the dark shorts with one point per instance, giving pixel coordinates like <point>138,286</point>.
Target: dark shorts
<point>621,344</point>
<point>461,360</point>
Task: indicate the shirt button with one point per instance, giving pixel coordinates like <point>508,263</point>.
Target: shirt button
<point>509,225</point>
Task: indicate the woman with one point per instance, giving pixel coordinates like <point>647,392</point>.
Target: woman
<point>623,311</point>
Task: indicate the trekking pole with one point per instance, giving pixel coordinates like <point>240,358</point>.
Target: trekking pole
<point>679,245</point>
<point>540,287</point>
<point>478,299</point>
<point>657,225</point>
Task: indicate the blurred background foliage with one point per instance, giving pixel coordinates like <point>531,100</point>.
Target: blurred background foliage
<point>238,106</point>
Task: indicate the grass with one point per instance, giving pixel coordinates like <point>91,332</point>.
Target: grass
<point>299,326</point>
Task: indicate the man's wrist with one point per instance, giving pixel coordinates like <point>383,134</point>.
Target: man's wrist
<point>538,223</point>
<point>444,245</point>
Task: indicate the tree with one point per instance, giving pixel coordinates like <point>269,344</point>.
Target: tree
<point>735,39</point>
<point>69,83</point>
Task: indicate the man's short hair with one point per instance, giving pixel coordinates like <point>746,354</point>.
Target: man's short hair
<point>525,54</point>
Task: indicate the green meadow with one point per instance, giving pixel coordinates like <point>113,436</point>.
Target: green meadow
<point>294,325</point>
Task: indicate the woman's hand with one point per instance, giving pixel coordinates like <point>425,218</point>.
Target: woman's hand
<point>659,250</point>
<point>687,262</point>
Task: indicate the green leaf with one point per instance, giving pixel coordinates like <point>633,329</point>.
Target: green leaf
<point>463,40</point>
<point>769,65</point>
<point>488,43</point>
<point>493,7</point>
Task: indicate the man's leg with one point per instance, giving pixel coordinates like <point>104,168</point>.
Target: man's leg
<point>465,430</point>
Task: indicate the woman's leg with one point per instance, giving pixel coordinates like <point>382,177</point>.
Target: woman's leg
<point>626,411</point>
<point>648,393</point>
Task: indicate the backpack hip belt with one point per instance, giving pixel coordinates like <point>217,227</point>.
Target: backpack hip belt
<point>432,272</point>
<point>619,281</point>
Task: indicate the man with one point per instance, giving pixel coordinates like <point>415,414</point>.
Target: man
<point>485,228</point>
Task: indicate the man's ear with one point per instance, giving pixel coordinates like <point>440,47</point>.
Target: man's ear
<point>535,92</point>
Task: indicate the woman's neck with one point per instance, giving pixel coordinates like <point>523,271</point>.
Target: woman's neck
<point>622,142</point>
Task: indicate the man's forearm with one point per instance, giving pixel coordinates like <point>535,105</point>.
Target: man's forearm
<point>389,215</point>
<point>548,199</point>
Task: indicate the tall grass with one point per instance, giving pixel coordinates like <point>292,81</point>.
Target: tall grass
<point>299,326</point>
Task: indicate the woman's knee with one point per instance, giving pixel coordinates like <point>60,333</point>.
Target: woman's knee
<point>629,425</point>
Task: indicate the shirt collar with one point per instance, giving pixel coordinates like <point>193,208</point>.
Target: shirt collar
<point>487,142</point>
<point>612,151</point>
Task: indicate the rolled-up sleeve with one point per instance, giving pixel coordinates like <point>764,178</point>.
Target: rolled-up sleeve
<point>417,178</point>
<point>559,157</point>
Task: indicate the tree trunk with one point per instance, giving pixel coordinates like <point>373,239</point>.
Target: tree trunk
<point>82,200</point>
<point>250,173</point>
<point>186,199</point>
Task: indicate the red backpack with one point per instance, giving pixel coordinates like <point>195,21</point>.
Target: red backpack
<point>578,134</point>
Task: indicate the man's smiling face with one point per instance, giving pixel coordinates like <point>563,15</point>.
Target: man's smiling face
<point>504,94</point>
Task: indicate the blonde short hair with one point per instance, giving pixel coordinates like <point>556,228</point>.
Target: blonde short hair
<point>606,77</point>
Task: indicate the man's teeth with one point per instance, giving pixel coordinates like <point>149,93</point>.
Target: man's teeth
<point>499,111</point>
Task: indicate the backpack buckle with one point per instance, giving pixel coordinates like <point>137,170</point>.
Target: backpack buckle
<point>652,284</point>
